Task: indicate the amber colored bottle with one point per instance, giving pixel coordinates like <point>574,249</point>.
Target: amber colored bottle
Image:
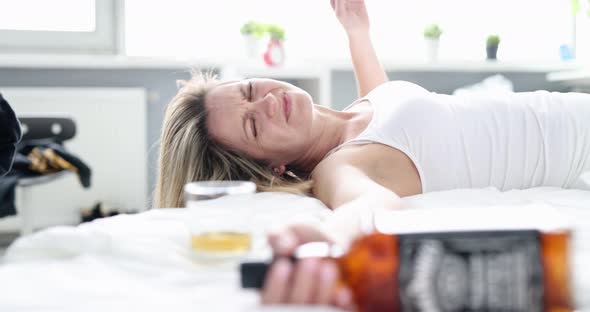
<point>521,270</point>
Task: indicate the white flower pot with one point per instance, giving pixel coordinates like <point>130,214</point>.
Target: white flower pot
<point>253,46</point>
<point>431,49</point>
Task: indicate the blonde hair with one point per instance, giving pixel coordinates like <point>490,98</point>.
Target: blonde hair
<point>188,153</point>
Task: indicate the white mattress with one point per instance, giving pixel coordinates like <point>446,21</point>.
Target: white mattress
<point>143,262</point>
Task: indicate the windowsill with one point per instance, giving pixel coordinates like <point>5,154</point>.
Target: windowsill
<point>89,61</point>
<point>481,66</point>
<point>575,77</point>
<point>306,68</point>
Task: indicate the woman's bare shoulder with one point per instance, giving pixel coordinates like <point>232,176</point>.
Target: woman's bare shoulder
<point>342,157</point>
<point>337,179</point>
<point>385,165</point>
<point>362,156</point>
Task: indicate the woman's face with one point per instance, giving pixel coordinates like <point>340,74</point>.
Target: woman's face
<point>266,119</point>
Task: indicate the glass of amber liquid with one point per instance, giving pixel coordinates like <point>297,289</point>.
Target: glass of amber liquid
<point>218,224</point>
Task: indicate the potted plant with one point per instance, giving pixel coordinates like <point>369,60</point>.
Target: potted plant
<point>576,6</point>
<point>579,29</point>
<point>275,52</point>
<point>432,35</point>
<point>492,43</point>
<point>252,33</point>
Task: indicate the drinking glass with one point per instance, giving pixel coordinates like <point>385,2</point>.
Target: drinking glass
<point>218,224</point>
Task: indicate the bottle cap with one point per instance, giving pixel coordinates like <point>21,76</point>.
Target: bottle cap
<point>252,274</point>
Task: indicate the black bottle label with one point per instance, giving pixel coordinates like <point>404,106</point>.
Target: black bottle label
<point>476,271</point>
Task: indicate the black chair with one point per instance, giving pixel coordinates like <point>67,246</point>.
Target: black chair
<point>41,127</point>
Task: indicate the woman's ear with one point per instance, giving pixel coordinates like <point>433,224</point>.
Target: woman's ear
<point>279,170</point>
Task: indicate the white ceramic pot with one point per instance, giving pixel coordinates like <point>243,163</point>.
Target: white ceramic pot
<point>253,46</point>
<point>432,49</point>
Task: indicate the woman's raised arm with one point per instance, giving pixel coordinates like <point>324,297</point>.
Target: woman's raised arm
<point>368,71</point>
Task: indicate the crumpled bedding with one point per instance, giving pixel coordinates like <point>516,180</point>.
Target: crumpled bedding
<point>143,262</point>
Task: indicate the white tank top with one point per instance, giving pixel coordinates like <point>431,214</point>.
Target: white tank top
<point>505,140</point>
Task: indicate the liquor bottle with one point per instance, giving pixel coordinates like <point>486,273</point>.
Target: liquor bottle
<point>475,270</point>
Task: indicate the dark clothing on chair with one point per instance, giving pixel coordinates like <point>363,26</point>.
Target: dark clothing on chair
<point>37,158</point>
<point>10,135</point>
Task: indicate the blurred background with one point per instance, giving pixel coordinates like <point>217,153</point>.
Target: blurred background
<point>111,66</point>
<point>531,30</point>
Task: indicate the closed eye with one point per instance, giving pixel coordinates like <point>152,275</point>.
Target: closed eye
<point>253,125</point>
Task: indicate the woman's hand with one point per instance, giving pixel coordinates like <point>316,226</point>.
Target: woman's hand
<point>352,14</point>
<point>309,281</point>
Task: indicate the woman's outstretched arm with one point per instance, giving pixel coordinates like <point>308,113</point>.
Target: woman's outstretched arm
<point>368,71</point>
<point>354,197</point>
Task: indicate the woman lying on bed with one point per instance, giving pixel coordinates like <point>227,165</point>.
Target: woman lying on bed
<point>396,140</point>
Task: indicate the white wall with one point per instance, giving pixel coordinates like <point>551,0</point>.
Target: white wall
<point>110,138</point>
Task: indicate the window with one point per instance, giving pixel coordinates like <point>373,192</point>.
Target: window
<point>582,31</point>
<point>40,26</point>
<point>210,29</point>
<point>531,30</point>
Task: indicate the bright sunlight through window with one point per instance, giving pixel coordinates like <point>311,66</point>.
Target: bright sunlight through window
<point>44,15</point>
<point>531,30</point>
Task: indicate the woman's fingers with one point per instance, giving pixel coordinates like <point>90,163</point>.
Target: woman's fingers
<point>304,281</point>
<point>340,7</point>
<point>343,299</point>
<point>328,276</point>
<point>309,281</point>
<point>284,241</point>
<point>306,233</point>
<point>277,283</point>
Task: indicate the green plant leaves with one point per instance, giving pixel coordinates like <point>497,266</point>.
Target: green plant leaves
<point>258,30</point>
<point>432,31</point>
<point>493,40</point>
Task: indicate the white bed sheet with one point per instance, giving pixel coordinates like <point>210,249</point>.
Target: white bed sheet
<point>143,262</point>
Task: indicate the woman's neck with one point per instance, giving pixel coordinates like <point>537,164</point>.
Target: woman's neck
<point>331,128</point>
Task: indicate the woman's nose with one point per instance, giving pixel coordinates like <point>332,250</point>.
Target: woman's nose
<point>267,105</point>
